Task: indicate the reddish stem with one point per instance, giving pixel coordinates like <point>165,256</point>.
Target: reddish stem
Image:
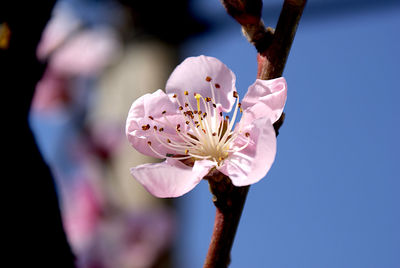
<point>273,51</point>
<point>229,202</point>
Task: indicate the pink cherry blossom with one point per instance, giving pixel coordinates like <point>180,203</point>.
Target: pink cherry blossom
<point>189,127</point>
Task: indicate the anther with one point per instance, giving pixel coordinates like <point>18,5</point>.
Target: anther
<point>168,140</point>
<point>174,96</point>
<point>208,99</point>
<point>161,129</point>
<point>215,106</point>
<point>217,85</point>
<point>186,93</point>
<point>220,113</point>
<point>208,79</point>
<point>149,143</point>
<point>186,104</point>
<point>214,134</point>
<point>164,112</point>
<point>180,108</point>
<point>186,151</point>
<point>187,122</point>
<point>146,127</point>
<point>235,94</point>
<point>155,127</point>
<point>152,118</point>
<point>247,134</point>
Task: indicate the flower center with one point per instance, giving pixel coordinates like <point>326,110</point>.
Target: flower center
<point>207,134</point>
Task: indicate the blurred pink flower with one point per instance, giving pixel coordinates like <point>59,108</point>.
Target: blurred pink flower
<point>186,125</point>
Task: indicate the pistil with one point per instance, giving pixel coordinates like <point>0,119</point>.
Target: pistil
<point>206,135</point>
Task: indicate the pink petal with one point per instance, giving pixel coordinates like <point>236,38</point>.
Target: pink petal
<point>191,76</point>
<point>256,111</point>
<point>62,24</point>
<point>86,53</point>
<point>171,178</point>
<point>142,110</point>
<point>270,92</point>
<point>251,164</point>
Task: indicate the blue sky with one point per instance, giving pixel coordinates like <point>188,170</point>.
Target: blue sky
<point>332,197</point>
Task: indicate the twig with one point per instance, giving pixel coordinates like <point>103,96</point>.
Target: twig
<point>273,48</point>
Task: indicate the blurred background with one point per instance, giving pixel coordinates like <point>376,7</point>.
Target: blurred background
<point>330,200</point>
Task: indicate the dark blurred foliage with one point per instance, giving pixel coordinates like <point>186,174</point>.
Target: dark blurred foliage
<point>171,21</point>
<point>34,233</point>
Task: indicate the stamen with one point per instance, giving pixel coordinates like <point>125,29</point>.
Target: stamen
<point>208,79</point>
<point>207,133</point>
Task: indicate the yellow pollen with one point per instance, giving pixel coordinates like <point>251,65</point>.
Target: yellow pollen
<point>186,93</point>
<point>198,97</point>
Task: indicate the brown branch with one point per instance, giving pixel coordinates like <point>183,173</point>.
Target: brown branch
<point>272,58</point>
<point>273,48</point>
<point>229,202</point>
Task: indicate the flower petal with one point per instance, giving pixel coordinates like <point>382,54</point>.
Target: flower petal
<point>273,93</point>
<point>254,112</point>
<point>191,75</point>
<point>251,164</point>
<point>156,109</point>
<point>171,178</point>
